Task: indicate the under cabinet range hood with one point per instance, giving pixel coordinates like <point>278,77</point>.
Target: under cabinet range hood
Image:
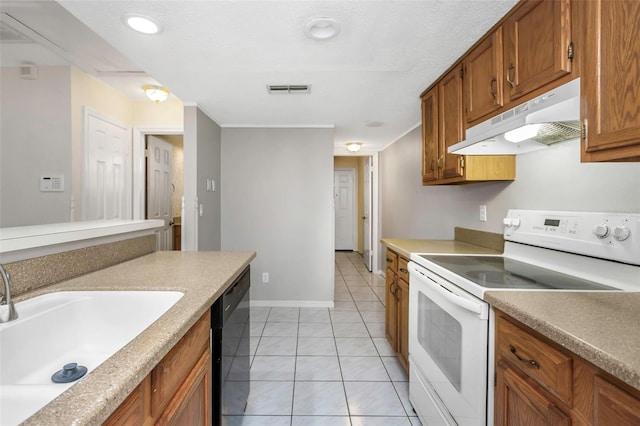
<point>544,120</point>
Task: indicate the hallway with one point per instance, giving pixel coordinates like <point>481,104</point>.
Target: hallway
<point>318,366</point>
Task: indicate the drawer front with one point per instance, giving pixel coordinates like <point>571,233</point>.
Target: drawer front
<point>392,260</point>
<point>546,365</point>
<point>174,368</point>
<point>403,270</point>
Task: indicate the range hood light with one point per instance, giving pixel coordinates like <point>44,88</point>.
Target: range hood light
<point>555,116</point>
<point>522,133</point>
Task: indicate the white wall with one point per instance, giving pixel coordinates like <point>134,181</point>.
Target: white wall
<point>277,200</point>
<point>550,179</point>
<point>35,140</point>
<point>202,160</point>
<point>42,133</point>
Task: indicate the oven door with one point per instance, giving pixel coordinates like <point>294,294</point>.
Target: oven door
<point>448,350</point>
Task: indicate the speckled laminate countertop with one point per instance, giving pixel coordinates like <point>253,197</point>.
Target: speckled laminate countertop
<point>600,327</point>
<point>201,276</point>
<point>407,246</point>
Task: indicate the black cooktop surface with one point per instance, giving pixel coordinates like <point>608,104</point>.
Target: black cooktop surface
<point>501,272</point>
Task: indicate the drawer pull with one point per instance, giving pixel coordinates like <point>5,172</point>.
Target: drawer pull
<point>530,362</point>
<point>389,260</point>
<point>404,271</point>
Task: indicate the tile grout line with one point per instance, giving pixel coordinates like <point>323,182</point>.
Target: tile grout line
<point>335,343</point>
<point>295,368</point>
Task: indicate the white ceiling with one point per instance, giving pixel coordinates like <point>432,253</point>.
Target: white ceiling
<point>366,82</point>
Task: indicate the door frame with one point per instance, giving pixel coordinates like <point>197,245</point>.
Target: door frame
<point>139,167</point>
<point>354,237</point>
<point>376,225</point>
<point>368,189</point>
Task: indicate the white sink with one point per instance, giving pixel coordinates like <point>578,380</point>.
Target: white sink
<point>59,328</point>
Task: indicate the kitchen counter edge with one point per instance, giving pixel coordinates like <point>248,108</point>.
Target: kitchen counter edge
<point>201,276</point>
<point>406,247</point>
<point>597,326</point>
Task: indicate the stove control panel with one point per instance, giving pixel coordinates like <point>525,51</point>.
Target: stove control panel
<point>614,236</point>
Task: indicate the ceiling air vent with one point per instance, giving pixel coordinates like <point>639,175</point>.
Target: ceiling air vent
<point>288,88</point>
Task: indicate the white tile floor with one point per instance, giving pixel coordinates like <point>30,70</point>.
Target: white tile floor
<point>316,366</point>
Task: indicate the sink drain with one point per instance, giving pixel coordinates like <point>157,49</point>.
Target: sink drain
<point>69,373</point>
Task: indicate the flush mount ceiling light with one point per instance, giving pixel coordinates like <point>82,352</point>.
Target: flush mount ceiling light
<point>142,24</point>
<point>354,146</point>
<point>322,28</point>
<point>156,93</point>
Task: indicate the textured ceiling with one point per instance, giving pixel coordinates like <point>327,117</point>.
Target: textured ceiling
<point>222,54</point>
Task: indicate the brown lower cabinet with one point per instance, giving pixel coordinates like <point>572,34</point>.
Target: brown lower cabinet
<point>540,383</point>
<point>397,306</point>
<point>178,389</point>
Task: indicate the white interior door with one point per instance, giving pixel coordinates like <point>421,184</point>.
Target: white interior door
<point>107,176</point>
<point>368,252</point>
<point>345,209</point>
<point>159,189</point>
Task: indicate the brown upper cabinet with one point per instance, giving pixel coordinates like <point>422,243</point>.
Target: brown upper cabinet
<point>527,53</point>
<point>538,46</point>
<point>443,125</point>
<point>610,81</point>
<point>451,123</point>
<point>483,78</point>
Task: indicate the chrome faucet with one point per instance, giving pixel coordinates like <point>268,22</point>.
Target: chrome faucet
<point>7,310</point>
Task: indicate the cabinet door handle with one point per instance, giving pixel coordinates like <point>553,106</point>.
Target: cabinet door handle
<point>440,161</point>
<point>395,293</point>
<point>530,362</point>
<point>389,260</point>
<point>511,83</point>
<point>404,271</point>
<point>491,90</point>
<point>391,288</point>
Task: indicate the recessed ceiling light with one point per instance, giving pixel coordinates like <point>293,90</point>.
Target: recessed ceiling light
<point>322,28</point>
<point>142,24</point>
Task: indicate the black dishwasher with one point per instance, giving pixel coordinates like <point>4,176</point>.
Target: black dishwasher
<point>231,354</point>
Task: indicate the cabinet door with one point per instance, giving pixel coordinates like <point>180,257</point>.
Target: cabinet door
<point>613,406</point>
<point>610,106</point>
<point>451,126</point>
<point>483,78</point>
<point>135,410</point>
<point>430,135</point>
<point>171,372</point>
<point>391,309</point>
<point>519,403</point>
<point>537,39</point>
<point>403,323</point>
<point>191,405</point>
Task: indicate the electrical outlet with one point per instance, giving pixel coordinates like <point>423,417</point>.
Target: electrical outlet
<point>483,213</point>
<point>265,277</point>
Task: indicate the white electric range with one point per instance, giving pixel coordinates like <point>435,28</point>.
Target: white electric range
<point>451,330</point>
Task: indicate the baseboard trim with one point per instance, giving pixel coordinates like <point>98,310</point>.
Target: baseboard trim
<point>292,303</point>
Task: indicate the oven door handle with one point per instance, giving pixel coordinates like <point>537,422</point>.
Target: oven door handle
<point>476,308</point>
